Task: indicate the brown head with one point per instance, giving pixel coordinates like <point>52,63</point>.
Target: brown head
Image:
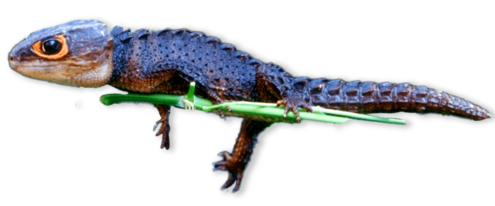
<point>77,53</point>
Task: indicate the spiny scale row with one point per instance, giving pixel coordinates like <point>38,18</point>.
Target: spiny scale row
<point>127,35</point>
<point>371,97</point>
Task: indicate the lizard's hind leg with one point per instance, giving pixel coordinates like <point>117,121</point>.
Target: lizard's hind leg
<point>235,163</point>
<point>276,85</point>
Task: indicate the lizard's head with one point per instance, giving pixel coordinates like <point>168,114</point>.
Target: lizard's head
<point>77,53</point>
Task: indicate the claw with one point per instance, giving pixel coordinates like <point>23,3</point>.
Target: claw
<point>222,154</point>
<point>229,182</point>
<point>218,166</point>
<point>156,125</point>
<point>220,112</point>
<point>237,182</point>
<point>222,165</point>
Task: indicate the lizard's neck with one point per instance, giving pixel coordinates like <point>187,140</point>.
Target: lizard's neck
<point>126,74</point>
<point>134,70</point>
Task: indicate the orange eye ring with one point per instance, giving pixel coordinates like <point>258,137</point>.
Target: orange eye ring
<point>38,50</point>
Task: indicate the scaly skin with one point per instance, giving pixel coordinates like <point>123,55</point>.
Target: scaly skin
<point>166,61</point>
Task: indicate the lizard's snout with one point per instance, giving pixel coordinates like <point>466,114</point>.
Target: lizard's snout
<point>15,55</point>
<point>12,61</point>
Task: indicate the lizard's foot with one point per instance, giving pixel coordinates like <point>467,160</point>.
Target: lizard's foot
<point>164,126</point>
<point>293,105</point>
<point>234,167</point>
<point>164,130</point>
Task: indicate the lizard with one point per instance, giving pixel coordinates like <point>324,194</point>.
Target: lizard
<point>85,53</point>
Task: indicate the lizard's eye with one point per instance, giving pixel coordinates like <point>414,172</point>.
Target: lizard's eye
<point>51,48</point>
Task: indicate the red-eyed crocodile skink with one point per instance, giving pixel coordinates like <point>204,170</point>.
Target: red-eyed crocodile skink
<point>84,53</point>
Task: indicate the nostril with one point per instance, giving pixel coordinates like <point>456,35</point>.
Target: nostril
<point>11,56</point>
<point>12,63</point>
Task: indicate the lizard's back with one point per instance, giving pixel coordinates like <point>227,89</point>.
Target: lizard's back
<point>163,61</point>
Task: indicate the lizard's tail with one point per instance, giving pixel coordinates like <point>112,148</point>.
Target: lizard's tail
<point>371,97</point>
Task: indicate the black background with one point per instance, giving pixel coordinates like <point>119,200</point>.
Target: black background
<point>56,149</point>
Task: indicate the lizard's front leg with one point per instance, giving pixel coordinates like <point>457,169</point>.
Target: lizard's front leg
<point>235,163</point>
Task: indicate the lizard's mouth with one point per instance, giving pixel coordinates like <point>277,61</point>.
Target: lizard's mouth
<point>50,73</point>
<point>42,65</point>
<point>66,72</point>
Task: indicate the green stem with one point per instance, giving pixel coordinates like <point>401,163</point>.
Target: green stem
<point>244,109</point>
